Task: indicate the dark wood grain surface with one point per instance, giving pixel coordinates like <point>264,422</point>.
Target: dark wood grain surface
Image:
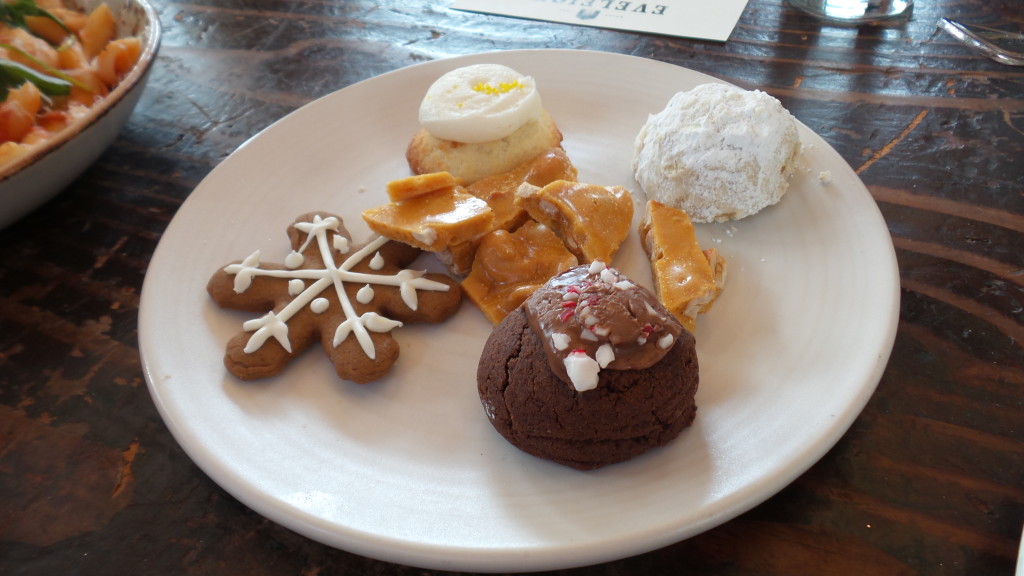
<point>929,479</point>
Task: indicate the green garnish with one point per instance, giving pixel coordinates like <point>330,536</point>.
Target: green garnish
<point>13,13</point>
<point>47,70</point>
<point>13,75</point>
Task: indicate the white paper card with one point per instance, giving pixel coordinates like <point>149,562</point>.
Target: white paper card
<point>705,19</point>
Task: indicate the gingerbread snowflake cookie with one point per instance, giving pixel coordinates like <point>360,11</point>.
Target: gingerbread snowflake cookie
<point>347,297</point>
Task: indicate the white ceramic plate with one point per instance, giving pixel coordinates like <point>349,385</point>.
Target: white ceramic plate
<point>408,469</point>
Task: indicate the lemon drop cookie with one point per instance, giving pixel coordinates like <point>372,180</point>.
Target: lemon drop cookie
<point>480,120</point>
<point>717,152</point>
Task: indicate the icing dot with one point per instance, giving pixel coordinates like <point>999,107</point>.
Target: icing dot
<point>341,244</point>
<point>295,287</point>
<point>377,262</point>
<point>319,305</point>
<point>665,341</point>
<point>365,294</point>
<point>293,260</point>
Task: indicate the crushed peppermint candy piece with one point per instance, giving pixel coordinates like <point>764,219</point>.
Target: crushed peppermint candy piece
<point>593,318</point>
<point>605,355</point>
<point>665,342</point>
<point>582,370</point>
<point>560,340</point>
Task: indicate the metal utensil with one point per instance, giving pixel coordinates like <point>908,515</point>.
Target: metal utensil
<point>983,39</point>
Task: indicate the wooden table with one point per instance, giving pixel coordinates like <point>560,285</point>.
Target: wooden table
<point>929,479</point>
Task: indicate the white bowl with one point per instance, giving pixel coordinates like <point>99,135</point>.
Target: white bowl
<point>39,175</point>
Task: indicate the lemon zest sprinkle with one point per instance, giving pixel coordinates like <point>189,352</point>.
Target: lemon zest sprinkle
<point>501,88</point>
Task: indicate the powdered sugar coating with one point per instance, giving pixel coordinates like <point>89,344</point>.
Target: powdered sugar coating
<point>717,152</point>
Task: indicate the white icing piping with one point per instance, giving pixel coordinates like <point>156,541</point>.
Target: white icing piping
<point>274,325</point>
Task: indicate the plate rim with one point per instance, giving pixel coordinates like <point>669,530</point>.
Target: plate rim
<point>485,559</point>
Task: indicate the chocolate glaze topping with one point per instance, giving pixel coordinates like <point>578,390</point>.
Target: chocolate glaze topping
<point>591,317</point>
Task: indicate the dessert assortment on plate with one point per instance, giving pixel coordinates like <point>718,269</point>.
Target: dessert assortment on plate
<point>584,367</point>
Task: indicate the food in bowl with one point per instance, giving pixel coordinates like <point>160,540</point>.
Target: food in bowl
<point>55,63</point>
<point>35,170</point>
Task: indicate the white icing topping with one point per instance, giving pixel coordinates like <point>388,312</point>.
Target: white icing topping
<point>274,324</point>
<point>377,262</point>
<point>341,244</point>
<point>295,287</point>
<point>479,103</point>
<point>294,260</point>
<point>365,294</point>
<point>244,272</point>
<point>582,370</point>
<point>270,325</point>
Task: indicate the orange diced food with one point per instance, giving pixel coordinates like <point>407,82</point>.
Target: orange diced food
<point>99,29</point>
<point>73,19</point>
<point>46,29</point>
<point>18,112</point>
<point>28,50</point>
<point>116,59</point>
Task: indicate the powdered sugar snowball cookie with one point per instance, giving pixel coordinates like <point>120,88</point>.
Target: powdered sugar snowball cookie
<point>717,152</point>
